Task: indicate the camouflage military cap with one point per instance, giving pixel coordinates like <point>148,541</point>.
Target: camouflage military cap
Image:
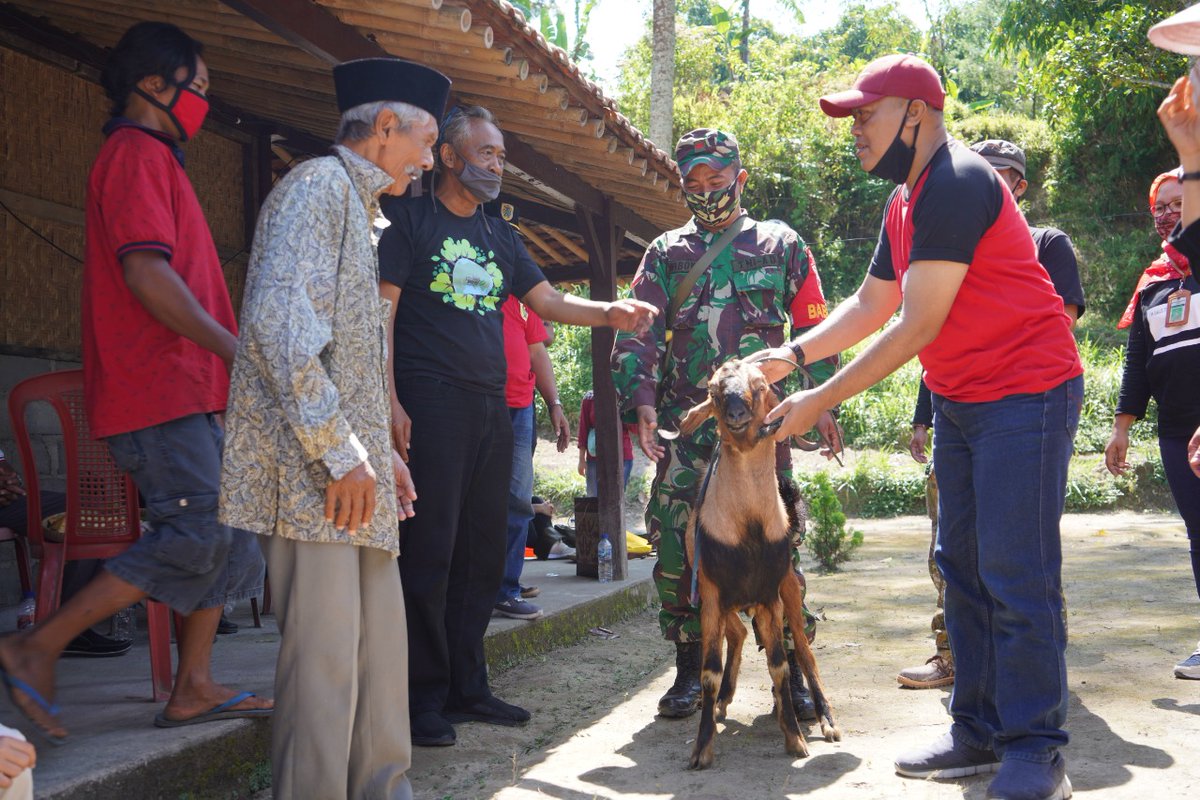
<point>709,146</point>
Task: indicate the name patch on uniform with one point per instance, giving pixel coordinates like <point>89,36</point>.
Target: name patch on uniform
<point>758,262</point>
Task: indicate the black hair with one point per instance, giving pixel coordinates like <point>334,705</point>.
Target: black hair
<point>148,48</point>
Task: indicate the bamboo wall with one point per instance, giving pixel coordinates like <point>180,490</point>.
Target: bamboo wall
<point>49,137</point>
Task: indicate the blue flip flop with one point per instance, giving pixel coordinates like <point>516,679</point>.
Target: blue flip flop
<point>225,710</point>
<point>12,682</point>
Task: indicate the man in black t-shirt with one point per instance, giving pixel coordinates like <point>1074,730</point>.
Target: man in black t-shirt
<point>1057,255</point>
<point>447,269</point>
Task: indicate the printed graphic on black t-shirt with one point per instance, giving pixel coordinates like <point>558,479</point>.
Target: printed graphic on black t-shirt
<point>454,274</point>
<point>467,276</point>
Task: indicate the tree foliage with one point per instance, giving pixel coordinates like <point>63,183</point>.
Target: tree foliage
<point>1073,82</point>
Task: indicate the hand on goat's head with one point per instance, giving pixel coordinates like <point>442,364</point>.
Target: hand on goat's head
<point>739,397</point>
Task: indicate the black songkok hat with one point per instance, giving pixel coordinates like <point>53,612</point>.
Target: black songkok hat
<point>370,80</point>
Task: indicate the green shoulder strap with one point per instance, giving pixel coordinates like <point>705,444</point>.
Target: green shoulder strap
<point>715,249</point>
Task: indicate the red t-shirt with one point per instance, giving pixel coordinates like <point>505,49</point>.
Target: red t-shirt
<point>138,372</point>
<point>1006,332</point>
<point>522,327</point>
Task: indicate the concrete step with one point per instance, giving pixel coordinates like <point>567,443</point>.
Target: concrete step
<point>115,752</point>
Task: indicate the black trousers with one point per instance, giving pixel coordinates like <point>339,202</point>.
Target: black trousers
<point>1185,488</point>
<point>452,550</point>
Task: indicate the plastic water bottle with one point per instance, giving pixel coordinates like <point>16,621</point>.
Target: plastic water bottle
<point>26,611</point>
<point>604,559</point>
<point>121,627</point>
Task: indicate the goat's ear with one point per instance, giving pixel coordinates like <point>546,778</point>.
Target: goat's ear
<point>697,415</point>
<point>770,399</point>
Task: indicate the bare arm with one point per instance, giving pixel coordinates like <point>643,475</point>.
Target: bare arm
<point>1181,120</point>
<point>553,305</point>
<point>543,373</point>
<point>857,317</point>
<point>168,299</point>
<point>401,423</point>
<point>931,289</point>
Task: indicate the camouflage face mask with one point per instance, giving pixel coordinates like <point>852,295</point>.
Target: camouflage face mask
<point>712,209</point>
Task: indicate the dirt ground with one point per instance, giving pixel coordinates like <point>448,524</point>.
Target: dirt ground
<point>1134,728</point>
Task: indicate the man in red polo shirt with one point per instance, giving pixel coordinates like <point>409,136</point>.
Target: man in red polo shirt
<point>525,337</point>
<point>158,338</point>
<point>956,257</point>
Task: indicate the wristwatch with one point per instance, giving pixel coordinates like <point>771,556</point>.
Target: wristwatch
<point>797,351</point>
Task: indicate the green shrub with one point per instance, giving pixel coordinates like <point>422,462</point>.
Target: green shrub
<point>881,417</point>
<point>827,539</point>
<point>560,487</point>
<point>881,487</point>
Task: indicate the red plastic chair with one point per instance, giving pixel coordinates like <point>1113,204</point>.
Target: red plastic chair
<point>102,518</point>
<point>22,554</point>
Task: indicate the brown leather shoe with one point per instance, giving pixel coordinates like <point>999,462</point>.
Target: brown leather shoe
<point>935,672</point>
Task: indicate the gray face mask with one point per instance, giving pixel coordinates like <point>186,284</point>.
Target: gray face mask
<point>482,183</point>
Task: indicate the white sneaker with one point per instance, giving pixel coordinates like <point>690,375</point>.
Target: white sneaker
<point>560,550</point>
<point>1189,668</point>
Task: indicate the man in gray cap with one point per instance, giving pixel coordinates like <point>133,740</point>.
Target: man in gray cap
<point>1057,256</point>
<point>309,464</point>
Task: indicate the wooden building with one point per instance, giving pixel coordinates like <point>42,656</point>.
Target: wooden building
<point>589,190</point>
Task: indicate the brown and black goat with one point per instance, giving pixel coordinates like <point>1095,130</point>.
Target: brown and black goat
<point>739,544</point>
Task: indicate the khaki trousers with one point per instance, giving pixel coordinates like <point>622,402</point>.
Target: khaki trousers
<point>340,728</point>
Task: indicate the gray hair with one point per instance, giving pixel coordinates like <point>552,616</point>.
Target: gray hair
<point>458,127</point>
<point>358,123</point>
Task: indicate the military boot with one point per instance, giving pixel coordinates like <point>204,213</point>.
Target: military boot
<point>801,699</point>
<point>683,698</point>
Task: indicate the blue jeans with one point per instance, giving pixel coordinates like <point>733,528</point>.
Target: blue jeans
<point>590,476</point>
<point>520,510</point>
<point>1002,475</point>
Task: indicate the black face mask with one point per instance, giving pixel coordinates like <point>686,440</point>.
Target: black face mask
<point>897,162</point>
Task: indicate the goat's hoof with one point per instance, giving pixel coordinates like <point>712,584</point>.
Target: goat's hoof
<point>796,746</point>
<point>701,759</point>
<point>832,732</point>
<point>722,707</point>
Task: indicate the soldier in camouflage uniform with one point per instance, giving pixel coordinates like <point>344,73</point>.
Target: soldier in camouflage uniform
<point>741,304</point>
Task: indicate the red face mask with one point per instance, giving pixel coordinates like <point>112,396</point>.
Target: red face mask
<point>1165,224</point>
<point>186,111</point>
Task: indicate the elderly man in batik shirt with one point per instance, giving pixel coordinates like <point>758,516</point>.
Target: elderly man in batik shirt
<point>762,279</point>
<point>309,463</point>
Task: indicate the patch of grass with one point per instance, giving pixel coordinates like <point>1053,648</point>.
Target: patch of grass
<point>560,487</point>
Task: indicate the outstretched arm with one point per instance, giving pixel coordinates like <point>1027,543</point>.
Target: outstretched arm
<point>932,287</point>
<point>624,315</point>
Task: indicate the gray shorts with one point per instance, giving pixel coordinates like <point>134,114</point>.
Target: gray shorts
<point>187,559</point>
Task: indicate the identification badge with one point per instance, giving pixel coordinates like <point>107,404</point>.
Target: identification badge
<point>1179,304</point>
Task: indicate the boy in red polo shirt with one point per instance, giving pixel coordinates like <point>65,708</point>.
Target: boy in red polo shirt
<point>956,257</point>
<point>158,337</point>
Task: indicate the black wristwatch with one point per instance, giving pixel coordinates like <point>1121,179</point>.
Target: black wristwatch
<point>797,351</point>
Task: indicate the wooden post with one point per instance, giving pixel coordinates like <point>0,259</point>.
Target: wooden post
<point>603,239</point>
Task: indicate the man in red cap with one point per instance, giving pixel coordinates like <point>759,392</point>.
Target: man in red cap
<point>956,257</point>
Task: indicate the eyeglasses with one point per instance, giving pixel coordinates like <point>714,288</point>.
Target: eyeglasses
<point>1174,207</point>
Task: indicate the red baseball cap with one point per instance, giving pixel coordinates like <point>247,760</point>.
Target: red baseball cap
<point>899,75</point>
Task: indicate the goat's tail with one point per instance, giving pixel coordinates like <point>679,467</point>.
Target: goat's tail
<point>793,504</point>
